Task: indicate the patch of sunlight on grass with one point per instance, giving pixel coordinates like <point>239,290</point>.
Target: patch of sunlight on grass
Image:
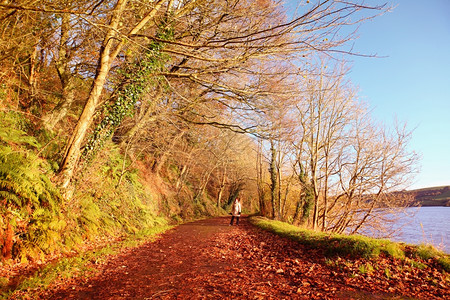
<point>352,245</point>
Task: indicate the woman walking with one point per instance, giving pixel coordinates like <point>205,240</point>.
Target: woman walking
<point>236,211</point>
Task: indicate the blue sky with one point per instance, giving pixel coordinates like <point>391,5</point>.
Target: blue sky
<point>412,83</point>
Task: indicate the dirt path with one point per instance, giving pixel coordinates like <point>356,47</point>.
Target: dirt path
<point>209,259</point>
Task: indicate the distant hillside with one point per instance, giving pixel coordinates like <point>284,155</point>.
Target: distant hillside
<point>433,196</point>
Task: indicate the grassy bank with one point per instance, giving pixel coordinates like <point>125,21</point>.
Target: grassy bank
<point>355,246</point>
<point>80,265</point>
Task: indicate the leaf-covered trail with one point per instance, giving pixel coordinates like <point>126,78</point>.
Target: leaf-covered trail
<point>209,259</point>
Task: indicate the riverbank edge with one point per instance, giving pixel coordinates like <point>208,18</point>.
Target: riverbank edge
<point>355,246</point>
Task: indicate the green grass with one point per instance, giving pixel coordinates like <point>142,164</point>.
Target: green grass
<point>366,268</point>
<point>351,245</point>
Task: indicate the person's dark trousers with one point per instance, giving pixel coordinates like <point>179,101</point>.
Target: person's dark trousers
<point>232,219</point>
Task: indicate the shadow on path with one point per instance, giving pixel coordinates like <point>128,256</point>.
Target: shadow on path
<point>156,268</point>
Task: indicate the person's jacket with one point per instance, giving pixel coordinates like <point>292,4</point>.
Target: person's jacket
<point>236,210</point>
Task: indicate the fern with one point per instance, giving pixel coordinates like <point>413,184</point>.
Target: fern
<point>19,137</point>
<point>31,201</point>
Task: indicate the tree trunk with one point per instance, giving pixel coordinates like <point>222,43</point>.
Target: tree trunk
<point>107,55</point>
<point>33,72</point>
<point>180,178</point>
<point>325,197</point>
<point>278,163</point>
<point>60,111</point>
<point>298,208</point>
<point>165,156</point>
<point>316,213</point>
<point>65,76</point>
<point>259,180</point>
<point>221,188</point>
<point>72,152</point>
<point>273,178</point>
<point>316,197</point>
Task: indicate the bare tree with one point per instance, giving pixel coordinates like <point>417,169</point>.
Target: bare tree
<point>217,47</point>
<point>381,164</point>
<point>351,163</point>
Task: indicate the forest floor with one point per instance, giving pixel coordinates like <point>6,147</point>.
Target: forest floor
<point>209,259</point>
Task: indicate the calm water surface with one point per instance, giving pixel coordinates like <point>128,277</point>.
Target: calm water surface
<point>429,225</point>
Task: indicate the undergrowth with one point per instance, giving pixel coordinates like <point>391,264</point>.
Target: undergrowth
<point>352,245</point>
<point>112,199</point>
<point>30,220</point>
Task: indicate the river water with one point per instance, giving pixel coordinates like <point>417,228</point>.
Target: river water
<point>425,225</point>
